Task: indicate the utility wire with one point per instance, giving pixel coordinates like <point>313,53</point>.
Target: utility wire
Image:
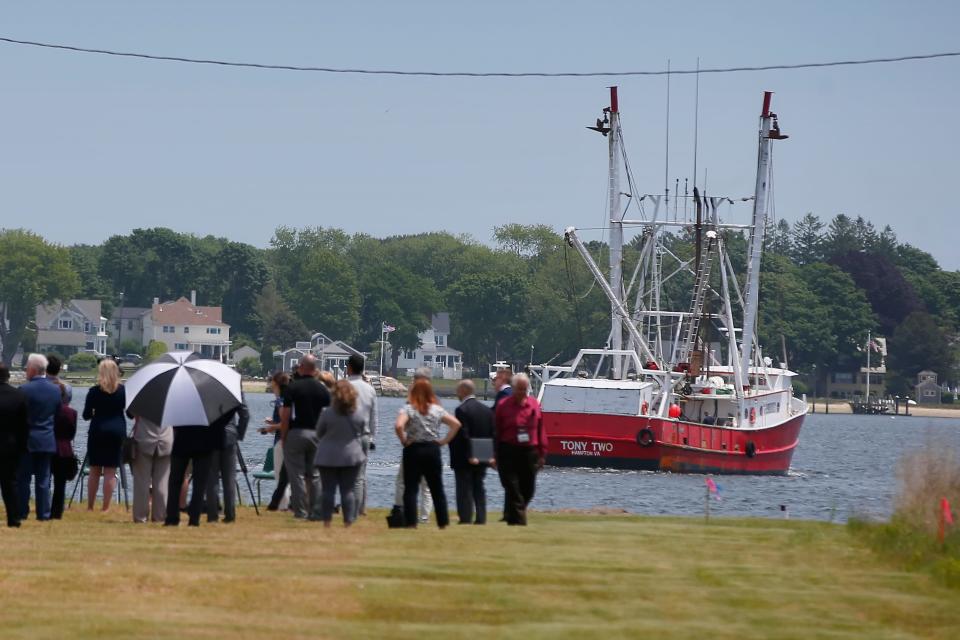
<point>477,74</point>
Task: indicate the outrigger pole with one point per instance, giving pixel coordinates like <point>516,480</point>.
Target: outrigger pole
<point>769,130</point>
<point>616,236</point>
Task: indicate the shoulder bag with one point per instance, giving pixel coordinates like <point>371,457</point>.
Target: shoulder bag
<point>128,449</point>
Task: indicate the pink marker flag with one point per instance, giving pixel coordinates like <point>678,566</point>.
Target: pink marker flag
<point>945,507</point>
<point>713,487</point>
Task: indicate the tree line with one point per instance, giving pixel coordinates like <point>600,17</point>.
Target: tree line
<point>823,286</point>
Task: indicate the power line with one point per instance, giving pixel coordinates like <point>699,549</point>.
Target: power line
<point>478,74</point>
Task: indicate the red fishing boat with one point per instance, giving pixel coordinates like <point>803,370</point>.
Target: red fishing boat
<point>662,394</point>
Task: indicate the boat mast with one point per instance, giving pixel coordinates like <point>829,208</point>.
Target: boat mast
<point>869,342</point>
<point>616,237</point>
<point>769,130</point>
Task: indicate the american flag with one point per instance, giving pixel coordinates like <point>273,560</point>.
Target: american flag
<point>388,328</point>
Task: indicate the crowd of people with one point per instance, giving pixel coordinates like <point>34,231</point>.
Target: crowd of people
<point>324,431</point>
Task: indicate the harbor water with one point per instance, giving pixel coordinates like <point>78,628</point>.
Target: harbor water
<point>845,465</point>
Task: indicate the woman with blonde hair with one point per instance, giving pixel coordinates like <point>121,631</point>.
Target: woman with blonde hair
<point>104,409</point>
<point>340,452</point>
<point>418,428</point>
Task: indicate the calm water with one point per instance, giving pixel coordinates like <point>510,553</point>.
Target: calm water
<point>845,465</point>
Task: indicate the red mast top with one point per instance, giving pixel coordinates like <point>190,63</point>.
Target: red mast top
<point>766,104</point>
<point>614,107</point>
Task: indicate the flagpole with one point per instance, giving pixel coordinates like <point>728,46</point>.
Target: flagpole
<point>382,342</point>
<point>869,347</point>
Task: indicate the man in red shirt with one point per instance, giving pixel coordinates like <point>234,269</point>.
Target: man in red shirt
<point>521,447</point>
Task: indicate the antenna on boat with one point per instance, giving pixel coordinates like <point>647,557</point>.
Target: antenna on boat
<point>676,192</point>
<point>696,121</point>
<point>666,163</point>
<point>686,198</point>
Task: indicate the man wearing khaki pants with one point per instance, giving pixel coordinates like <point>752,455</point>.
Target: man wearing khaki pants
<point>151,468</point>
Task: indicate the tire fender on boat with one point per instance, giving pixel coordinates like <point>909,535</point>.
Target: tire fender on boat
<point>645,437</point>
<point>750,449</point>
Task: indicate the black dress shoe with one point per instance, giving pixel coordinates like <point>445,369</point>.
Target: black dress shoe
<point>14,525</point>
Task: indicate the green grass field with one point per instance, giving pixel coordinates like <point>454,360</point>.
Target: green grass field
<point>566,576</point>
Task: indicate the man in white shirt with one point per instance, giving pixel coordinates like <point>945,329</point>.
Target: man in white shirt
<point>366,407</point>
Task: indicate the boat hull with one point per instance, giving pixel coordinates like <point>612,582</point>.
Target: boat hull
<point>623,442</point>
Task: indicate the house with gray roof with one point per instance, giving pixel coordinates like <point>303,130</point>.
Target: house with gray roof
<point>332,355</point>
<point>70,327</point>
<point>435,351</point>
<point>243,352</point>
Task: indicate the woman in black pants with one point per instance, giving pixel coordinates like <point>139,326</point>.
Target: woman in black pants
<point>418,427</point>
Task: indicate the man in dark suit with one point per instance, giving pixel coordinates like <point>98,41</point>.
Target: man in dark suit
<point>477,421</point>
<point>193,445</point>
<point>13,443</point>
<point>223,467</point>
<point>501,385</point>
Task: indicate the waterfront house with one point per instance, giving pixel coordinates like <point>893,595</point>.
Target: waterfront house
<point>331,354</point>
<point>71,327</point>
<point>126,323</point>
<point>435,351</point>
<point>927,389</point>
<point>182,325</point>
<point>852,383</point>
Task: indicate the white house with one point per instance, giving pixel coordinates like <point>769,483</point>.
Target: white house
<point>182,325</point>
<point>435,351</point>
<point>71,327</point>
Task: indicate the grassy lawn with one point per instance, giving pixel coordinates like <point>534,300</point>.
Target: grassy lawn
<point>98,576</point>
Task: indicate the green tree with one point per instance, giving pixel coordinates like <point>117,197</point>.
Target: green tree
<point>243,272</point>
<point>267,362</point>
<point>847,312</point>
<point>153,263</point>
<point>778,238</point>
<point>403,300</point>
<point>841,237</point>
<point>85,260</point>
<point>130,346</point>
<point>808,241</point>
<point>526,240</point>
<point>865,234</point>
<point>920,343</point>
<point>891,296</point>
<point>154,350</point>
<point>489,316</point>
<point>249,367</point>
<point>82,362</point>
<point>328,298</point>
<point>279,326</point>
<point>566,311</point>
<point>791,310</point>
<point>32,272</point>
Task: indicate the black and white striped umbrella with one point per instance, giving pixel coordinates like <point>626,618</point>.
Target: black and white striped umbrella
<point>182,389</point>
